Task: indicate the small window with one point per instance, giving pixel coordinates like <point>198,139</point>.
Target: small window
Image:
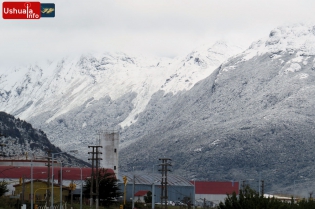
<point>115,150</point>
<point>114,167</point>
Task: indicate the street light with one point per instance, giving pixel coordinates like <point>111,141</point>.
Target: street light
<point>153,187</point>
<point>32,180</point>
<point>52,175</point>
<point>80,191</point>
<point>32,187</point>
<point>133,187</point>
<point>81,186</point>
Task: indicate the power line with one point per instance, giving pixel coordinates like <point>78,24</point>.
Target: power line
<point>95,174</point>
<point>48,176</point>
<point>165,163</point>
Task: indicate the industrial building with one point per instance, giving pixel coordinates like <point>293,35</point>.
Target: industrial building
<point>178,188</point>
<point>12,170</point>
<point>23,191</point>
<point>211,193</point>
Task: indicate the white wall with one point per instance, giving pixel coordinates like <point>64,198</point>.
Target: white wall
<point>215,198</point>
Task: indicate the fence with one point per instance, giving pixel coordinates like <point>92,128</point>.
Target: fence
<point>45,207</point>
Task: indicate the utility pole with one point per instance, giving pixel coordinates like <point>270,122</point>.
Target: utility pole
<point>243,185</point>
<point>262,187</point>
<point>94,175</point>
<point>23,189</point>
<point>72,193</point>
<point>48,177</point>
<point>165,163</point>
<point>259,184</point>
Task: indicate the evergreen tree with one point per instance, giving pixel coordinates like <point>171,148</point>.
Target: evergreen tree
<point>250,199</point>
<point>108,188</point>
<point>148,198</point>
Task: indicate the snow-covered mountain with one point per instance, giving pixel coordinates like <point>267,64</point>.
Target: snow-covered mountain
<point>217,118</point>
<point>99,91</point>
<point>253,115</point>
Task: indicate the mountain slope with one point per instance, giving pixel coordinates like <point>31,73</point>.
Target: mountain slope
<point>254,114</point>
<point>21,139</point>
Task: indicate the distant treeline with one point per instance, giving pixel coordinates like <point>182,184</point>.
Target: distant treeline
<point>250,199</point>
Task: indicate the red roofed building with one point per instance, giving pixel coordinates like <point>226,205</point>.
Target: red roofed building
<point>12,174</point>
<point>139,196</point>
<point>68,173</point>
<point>213,192</point>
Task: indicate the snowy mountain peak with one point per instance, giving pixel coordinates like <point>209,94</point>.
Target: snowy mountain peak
<point>77,81</point>
<point>297,38</point>
<point>220,48</point>
<point>197,65</point>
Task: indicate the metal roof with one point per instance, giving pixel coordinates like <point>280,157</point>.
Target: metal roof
<point>149,178</point>
<point>68,173</point>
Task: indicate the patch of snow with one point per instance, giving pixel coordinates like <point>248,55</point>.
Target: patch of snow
<point>256,49</point>
<point>215,142</point>
<point>303,75</point>
<point>297,59</point>
<point>198,150</point>
<point>290,67</point>
<point>226,69</point>
<point>294,67</point>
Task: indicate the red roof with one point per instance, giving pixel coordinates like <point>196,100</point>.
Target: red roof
<point>68,173</point>
<point>141,193</point>
<point>211,187</point>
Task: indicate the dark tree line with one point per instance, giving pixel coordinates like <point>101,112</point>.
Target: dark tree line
<point>250,199</point>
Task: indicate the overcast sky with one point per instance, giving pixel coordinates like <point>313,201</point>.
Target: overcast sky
<point>150,27</point>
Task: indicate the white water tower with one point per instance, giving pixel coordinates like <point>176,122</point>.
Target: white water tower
<point>109,140</point>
